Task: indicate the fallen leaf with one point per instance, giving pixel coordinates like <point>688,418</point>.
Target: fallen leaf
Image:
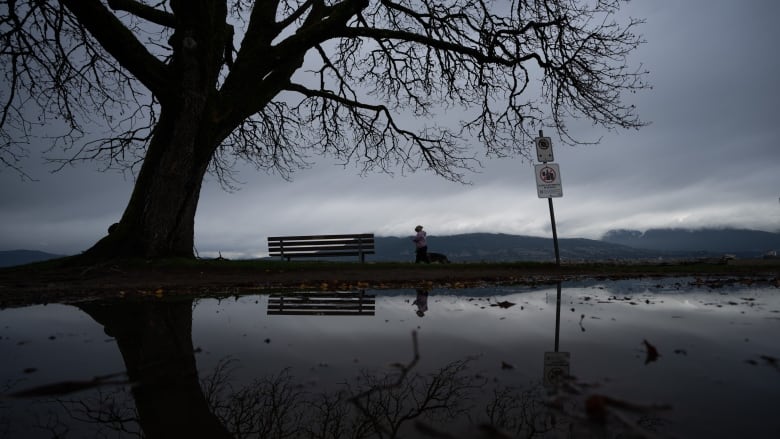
<point>503,304</point>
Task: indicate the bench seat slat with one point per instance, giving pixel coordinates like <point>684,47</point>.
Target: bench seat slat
<point>340,297</point>
<point>320,237</point>
<point>309,246</point>
<point>325,300</point>
<point>315,251</point>
<point>321,241</point>
<point>294,302</point>
<point>322,308</point>
<point>317,254</point>
<point>319,313</point>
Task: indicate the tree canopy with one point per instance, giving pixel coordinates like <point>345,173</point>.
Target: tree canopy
<point>184,87</point>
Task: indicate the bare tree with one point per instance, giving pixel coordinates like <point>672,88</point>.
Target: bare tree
<point>184,87</point>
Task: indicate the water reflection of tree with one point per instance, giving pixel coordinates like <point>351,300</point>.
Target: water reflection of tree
<point>155,341</point>
<point>108,411</point>
<point>276,407</point>
<point>171,400</point>
<point>520,412</point>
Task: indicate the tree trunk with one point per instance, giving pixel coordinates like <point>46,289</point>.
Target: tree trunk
<point>159,220</point>
<point>155,339</point>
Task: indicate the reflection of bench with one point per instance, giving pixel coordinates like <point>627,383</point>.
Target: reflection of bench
<point>314,246</point>
<point>321,304</point>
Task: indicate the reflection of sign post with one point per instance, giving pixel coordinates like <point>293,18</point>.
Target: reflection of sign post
<point>548,180</point>
<point>556,368</point>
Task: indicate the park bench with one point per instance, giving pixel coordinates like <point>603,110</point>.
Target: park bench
<point>315,246</point>
<point>322,304</point>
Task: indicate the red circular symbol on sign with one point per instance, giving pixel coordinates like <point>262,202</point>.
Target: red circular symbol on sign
<point>547,174</point>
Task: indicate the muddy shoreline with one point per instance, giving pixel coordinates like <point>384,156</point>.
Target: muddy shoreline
<point>56,282</point>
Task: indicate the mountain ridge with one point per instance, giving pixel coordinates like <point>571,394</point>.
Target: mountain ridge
<point>728,240</point>
<point>9,258</point>
<point>619,244</point>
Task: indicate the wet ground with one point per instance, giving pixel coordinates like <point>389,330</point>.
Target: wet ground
<point>654,357</point>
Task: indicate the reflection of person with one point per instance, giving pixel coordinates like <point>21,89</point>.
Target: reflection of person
<point>421,302</point>
<point>421,244</point>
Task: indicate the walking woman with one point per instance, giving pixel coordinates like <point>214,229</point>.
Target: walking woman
<point>422,246</point>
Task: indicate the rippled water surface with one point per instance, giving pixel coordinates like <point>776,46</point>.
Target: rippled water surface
<point>660,358</point>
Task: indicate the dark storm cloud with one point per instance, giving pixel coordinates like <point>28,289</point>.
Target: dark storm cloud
<point>708,158</point>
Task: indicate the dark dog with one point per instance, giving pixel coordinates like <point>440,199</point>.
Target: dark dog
<point>438,257</point>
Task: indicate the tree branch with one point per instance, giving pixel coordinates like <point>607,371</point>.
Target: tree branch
<point>296,14</point>
<point>120,42</point>
<point>447,46</point>
<point>378,138</point>
<point>148,13</point>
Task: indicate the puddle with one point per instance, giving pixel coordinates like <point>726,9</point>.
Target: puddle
<point>660,358</point>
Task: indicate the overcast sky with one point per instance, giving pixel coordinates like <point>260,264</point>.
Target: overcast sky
<point>709,158</point>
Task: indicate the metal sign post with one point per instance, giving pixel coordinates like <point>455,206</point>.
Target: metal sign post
<point>548,182</point>
<point>555,233</point>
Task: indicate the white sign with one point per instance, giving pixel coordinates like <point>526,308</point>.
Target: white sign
<point>548,180</point>
<point>544,151</point>
<point>556,368</point>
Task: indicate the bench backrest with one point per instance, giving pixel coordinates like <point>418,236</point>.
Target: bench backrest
<point>287,247</point>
